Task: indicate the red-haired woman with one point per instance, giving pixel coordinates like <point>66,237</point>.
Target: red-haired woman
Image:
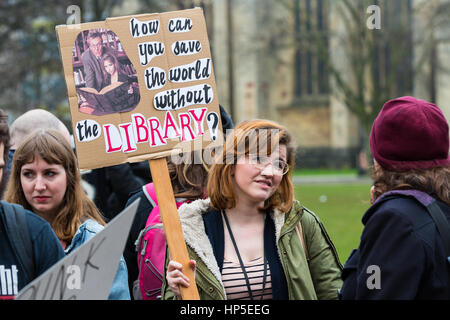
<point>250,239</point>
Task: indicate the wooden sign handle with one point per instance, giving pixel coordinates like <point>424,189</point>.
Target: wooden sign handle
<point>172,224</point>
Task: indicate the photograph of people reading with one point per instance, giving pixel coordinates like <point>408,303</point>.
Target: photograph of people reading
<point>105,78</point>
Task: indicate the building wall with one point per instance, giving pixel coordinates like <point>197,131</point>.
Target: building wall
<point>219,50</point>
<point>443,81</point>
<point>309,125</point>
<point>264,83</point>
<point>422,78</point>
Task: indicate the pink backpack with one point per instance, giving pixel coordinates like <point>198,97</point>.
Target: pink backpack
<point>151,248</point>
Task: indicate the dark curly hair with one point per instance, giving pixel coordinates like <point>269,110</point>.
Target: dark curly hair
<point>434,181</point>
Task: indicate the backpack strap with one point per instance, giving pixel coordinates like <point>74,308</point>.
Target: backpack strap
<point>17,230</point>
<point>150,193</point>
<point>433,210</point>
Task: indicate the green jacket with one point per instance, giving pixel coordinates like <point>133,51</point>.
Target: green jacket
<point>315,277</point>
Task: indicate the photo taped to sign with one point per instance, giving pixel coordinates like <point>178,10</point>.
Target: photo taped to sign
<point>105,79</point>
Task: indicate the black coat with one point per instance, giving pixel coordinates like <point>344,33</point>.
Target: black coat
<point>111,187</point>
<point>401,246</point>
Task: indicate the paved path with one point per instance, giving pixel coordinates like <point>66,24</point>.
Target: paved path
<point>324,179</point>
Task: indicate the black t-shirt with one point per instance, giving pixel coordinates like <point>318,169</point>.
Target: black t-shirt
<point>47,250</point>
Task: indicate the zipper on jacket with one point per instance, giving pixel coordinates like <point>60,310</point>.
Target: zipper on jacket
<point>283,263</point>
<point>282,255</point>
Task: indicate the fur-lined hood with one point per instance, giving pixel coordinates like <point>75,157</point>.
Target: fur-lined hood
<point>196,237</point>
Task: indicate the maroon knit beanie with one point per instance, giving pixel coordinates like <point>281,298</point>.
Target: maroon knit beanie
<point>409,133</point>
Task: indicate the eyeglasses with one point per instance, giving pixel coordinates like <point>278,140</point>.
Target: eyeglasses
<point>279,167</point>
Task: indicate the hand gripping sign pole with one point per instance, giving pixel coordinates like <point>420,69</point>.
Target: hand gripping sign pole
<point>172,224</point>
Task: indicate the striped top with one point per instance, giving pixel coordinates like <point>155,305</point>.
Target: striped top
<point>234,280</point>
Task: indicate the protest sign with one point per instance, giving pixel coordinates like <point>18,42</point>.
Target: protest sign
<point>166,97</point>
<point>88,272</point>
<point>166,100</point>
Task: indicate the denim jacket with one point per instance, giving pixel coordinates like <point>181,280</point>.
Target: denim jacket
<point>86,231</point>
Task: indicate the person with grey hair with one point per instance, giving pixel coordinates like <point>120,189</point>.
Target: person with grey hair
<point>30,121</point>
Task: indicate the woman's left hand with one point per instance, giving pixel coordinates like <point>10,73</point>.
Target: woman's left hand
<point>175,276</point>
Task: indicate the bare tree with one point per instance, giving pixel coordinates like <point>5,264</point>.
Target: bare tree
<point>30,65</point>
<point>379,63</point>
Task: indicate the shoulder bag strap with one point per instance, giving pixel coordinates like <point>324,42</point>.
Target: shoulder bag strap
<point>442,225</point>
<point>433,209</point>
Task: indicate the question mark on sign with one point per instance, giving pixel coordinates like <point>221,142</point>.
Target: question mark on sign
<point>213,121</point>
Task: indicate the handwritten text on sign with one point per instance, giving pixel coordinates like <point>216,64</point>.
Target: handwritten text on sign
<point>87,272</point>
<point>156,78</point>
<point>185,126</point>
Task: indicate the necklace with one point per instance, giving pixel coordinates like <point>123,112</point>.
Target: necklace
<point>247,281</point>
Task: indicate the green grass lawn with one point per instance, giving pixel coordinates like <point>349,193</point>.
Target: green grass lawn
<point>323,172</point>
<point>340,208</point>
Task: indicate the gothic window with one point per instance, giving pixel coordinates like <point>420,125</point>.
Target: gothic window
<point>310,26</point>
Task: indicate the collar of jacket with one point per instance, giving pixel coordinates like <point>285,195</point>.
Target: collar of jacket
<point>191,217</point>
<point>420,197</point>
<point>85,231</point>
